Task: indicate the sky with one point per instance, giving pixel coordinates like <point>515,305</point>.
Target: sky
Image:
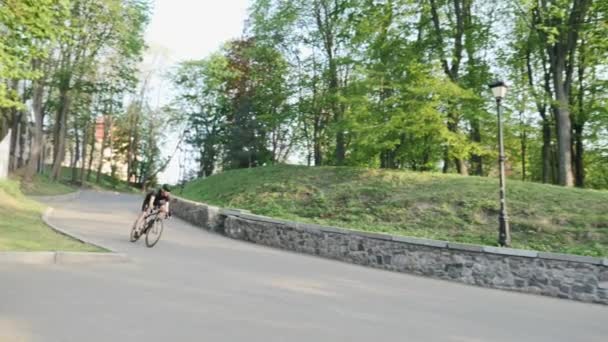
<point>181,30</point>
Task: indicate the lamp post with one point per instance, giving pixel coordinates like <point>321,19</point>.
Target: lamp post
<point>499,89</point>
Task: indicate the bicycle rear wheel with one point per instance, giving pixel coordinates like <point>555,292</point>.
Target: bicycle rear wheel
<point>153,233</point>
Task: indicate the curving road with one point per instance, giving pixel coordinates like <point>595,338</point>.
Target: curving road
<point>196,286</point>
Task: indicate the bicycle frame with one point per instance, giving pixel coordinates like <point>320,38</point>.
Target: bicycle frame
<point>148,222</point>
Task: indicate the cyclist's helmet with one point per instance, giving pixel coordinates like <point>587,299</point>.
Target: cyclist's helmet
<point>166,188</point>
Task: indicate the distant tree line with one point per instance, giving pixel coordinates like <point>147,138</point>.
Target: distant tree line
<point>402,84</point>
<point>67,67</point>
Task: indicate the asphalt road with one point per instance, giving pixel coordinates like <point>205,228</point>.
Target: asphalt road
<point>196,286</point>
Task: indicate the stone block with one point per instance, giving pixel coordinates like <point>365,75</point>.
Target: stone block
<point>421,242</point>
<point>510,252</point>
<point>308,228</point>
<point>465,247</point>
<point>371,235</point>
<point>520,283</point>
<point>570,258</point>
<point>584,288</point>
<point>335,230</point>
<point>228,212</point>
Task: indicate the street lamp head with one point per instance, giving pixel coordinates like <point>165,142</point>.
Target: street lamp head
<point>499,89</point>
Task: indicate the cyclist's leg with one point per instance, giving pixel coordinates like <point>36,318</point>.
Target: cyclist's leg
<point>142,215</point>
<point>163,210</point>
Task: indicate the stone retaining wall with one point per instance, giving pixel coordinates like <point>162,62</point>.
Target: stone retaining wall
<point>558,275</point>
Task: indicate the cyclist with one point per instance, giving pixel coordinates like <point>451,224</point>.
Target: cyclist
<point>155,200</point>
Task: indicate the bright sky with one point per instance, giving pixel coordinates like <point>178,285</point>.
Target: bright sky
<point>188,29</point>
<point>191,29</point>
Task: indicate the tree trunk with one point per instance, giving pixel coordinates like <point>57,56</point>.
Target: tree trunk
<point>524,150</point>
<point>561,52</point>
<point>579,119</point>
<point>337,112</point>
<point>446,160</point>
<point>129,155</point>
<point>326,20</point>
<point>476,160</point>
<point>37,134</point>
<point>86,134</point>
<point>461,165</point>
<point>387,159</point>
<point>317,151</point>
<point>133,123</point>
<point>461,12</point>
<point>564,132</point>
<point>60,133</point>
<point>70,147</point>
<point>76,154</point>
<point>91,151</point>
<point>546,151</point>
<point>14,142</point>
<point>104,145</point>
<point>23,137</point>
<point>3,123</point>
<point>579,162</point>
<point>554,165</point>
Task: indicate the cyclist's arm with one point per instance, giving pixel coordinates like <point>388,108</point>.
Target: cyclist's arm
<point>162,210</point>
<point>151,202</point>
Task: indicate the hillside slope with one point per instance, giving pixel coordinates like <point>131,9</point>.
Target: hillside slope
<point>42,185</point>
<point>430,205</point>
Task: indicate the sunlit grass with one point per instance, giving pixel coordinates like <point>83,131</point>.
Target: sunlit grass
<point>430,205</point>
<point>22,229</point>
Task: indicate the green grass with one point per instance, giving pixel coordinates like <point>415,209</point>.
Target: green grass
<point>429,205</point>
<point>42,185</point>
<point>22,229</point>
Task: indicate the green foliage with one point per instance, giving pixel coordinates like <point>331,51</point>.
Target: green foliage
<point>27,29</point>
<point>403,84</point>
<point>235,103</point>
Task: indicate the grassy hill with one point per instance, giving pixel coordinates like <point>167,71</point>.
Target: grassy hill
<point>429,205</point>
<point>22,229</point>
<point>42,185</point>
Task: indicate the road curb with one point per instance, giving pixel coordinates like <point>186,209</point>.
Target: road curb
<point>28,258</point>
<point>90,258</point>
<point>64,258</point>
<point>61,257</point>
<point>45,219</point>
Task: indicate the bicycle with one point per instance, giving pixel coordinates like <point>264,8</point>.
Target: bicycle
<point>152,226</point>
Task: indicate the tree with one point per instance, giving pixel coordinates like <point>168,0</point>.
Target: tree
<point>403,84</point>
<point>95,27</point>
<point>559,24</point>
<point>202,99</point>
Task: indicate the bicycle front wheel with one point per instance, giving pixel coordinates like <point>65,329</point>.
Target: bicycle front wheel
<point>137,226</point>
<point>153,234</point>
